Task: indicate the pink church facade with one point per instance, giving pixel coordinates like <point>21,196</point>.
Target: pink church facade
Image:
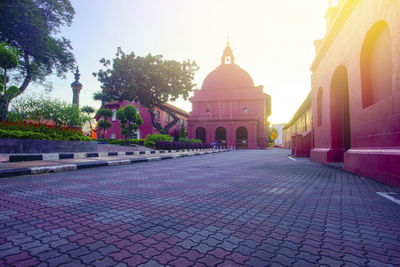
<point>147,127</point>
<point>229,109</point>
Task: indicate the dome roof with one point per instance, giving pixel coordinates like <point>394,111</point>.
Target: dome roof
<point>228,75</point>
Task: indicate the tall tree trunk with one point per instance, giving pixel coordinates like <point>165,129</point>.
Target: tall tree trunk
<point>4,103</point>
<point>155,123</point>
<point>158,126</point>
<point>173,122</point>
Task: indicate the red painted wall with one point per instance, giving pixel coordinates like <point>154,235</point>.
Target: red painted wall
<point>146,128</point>
<point>359,74</point>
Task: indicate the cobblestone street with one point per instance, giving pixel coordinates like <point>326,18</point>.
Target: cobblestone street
<point>239,208</point>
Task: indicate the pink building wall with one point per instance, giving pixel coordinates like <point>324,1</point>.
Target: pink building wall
<point>356,79</point>
<point>147,127</point>
<point>229,100</point>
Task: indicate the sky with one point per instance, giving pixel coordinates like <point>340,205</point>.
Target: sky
<point>272,40</point>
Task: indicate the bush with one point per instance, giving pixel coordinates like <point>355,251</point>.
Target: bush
<point>271,145</point>
<point>24,130</point>
<point>165,145</point>
<point>126,142</point>
<point>38,135</point>
<point>104,140</point>
<point>117,142</point>
<point>151,139</point>
<point>188,140</point>
<point>44,109</point>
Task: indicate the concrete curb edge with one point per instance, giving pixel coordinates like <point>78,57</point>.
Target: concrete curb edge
<point>93,164</point>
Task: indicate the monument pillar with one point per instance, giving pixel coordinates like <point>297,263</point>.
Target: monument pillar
<point>76,88</point>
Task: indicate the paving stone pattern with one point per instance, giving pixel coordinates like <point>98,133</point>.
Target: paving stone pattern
<point>240,208</point>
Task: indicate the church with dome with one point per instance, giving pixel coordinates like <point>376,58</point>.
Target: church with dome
<point>229,109</point>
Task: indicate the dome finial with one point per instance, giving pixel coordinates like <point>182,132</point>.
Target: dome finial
<point>227,56</point>
<point>227,39</point>
<point>76,74</point>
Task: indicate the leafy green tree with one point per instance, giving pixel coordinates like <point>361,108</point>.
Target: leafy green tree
<point>182,132</point>
<point>45,110</point>
<point>88,111</point>
<point>130,120</point>
<point>101,96</point>
<point>8,61</point>
<point>151,80</point>
<point>32,27</point>
<point>272,134</point>
<point>103,124</point>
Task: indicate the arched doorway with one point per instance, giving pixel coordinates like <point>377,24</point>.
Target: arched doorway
<point>241,138</point>
<point>220,136</point>
<point>340,113</point>
<point>201,134</point>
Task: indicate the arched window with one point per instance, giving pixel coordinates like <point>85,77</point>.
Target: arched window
<point>376,64</point>
<point>319,107</point>
<point>114,115</point>
<point>227,60</point>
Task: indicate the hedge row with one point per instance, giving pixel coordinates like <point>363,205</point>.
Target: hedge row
<point>165,145</point>
<point>126,142</point>
<point>38,135</point>
<point>24,130</point>
<point>151,139</point>
<point>188,140</point>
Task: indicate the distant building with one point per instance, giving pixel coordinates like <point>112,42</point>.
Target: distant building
<point>279,128</point>
<point>356,89</point>
<point>297,133</point>
<point>147,127</point>
<point>229,109</point>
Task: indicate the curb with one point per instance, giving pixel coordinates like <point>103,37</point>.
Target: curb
<point>100,163</point>
<point>57,156</point>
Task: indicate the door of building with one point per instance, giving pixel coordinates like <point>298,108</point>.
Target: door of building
<point>340,114</point>
<point>220,136</point>
<point>241,138</point>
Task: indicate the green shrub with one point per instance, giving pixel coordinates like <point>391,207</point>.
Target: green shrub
<point>104,140</point>
<point>25,130</point>
<point>151,139</point>
<point>117,142</point>
<point>271,145</point>
<point>137,141</point>
<point>44,110</point>
<point>126,142</point>
<point>22,135</point>
<point>130,119</point>
<point>188,140</point>
<point>38,135</point>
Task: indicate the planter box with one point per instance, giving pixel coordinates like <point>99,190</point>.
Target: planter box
<point>8,146</point>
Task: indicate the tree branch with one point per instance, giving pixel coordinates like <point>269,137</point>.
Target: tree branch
<point>172,114</point>
<point>28,76</point>
<point>155,123</point>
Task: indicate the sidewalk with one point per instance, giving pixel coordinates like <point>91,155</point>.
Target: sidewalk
<point>25,164</point>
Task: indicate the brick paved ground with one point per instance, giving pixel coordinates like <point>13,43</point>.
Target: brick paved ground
<point>240,208</point>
